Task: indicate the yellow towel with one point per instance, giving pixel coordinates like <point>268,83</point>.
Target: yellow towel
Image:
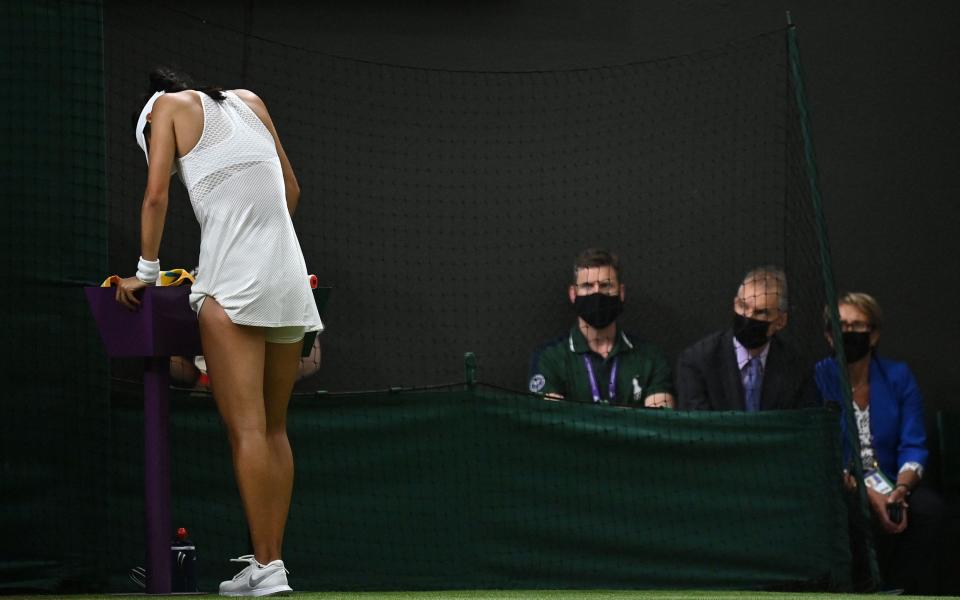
<point>171,277</point>
<point>175,277</point>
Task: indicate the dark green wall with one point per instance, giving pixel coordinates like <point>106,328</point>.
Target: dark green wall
<point>56,431</point>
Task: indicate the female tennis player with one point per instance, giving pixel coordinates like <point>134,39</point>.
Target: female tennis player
<point>252,296</point>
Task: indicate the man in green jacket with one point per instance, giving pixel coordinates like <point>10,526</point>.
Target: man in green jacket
<point>597,361</point>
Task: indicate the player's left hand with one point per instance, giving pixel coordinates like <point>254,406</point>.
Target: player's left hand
<point>125,292</point>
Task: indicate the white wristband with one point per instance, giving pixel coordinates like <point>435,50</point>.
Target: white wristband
<point>912,466</point>
<point>148,270</point>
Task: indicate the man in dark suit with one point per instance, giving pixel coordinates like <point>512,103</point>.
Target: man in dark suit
<point>747,367</point>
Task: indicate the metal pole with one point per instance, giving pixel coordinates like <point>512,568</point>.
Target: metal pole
<point>470,369</point>
<point>793,51</point>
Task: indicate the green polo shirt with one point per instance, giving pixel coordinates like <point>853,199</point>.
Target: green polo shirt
<point>558,367</point>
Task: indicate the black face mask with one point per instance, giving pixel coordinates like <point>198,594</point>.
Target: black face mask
<point>598,310</point>
<point>856,345</point>
<point>751,333</point>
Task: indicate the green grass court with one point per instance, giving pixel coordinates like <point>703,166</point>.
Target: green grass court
<point>519,595</point>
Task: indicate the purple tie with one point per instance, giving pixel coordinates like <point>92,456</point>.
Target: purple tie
<point>751,384</point>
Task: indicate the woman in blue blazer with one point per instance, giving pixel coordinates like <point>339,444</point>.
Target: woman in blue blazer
<point>888,411</point>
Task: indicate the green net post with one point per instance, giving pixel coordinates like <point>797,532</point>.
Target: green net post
<point>796,72</point>
<point>470,369</point>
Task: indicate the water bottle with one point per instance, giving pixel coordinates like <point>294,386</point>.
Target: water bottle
<point>183,564</point>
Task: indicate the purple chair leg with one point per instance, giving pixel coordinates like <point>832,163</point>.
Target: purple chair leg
<point>156,455</point>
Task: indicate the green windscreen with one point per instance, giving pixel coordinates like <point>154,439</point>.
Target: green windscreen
<point>462,489</point>
<point>55,431</point>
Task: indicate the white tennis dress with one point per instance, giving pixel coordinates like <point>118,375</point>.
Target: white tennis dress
<point>250,258</point>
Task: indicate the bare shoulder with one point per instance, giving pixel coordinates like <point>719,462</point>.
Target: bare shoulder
<point>177,105</point>
<point>250,98</point>
<point>176,100</point>
<point>256,105</point>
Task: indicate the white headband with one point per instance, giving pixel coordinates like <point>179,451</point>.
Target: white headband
<point>142,122</point>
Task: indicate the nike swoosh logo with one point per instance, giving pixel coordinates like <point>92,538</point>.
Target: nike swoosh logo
<point>254,582</point>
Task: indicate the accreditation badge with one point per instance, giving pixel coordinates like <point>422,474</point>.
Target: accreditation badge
<point>877,481</point>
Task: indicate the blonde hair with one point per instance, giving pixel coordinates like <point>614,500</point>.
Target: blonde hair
<point>863,302</point>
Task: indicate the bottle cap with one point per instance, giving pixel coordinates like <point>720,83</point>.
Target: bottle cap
<point>182,533</point>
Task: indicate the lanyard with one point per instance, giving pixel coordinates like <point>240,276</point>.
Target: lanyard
<point>594,387</point>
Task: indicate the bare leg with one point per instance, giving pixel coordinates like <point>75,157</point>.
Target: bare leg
<point>280,373</point>
<point>236,356</point>
<point>182,370</point>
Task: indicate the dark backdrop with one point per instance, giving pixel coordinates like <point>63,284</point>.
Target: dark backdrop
<point>882,81</point>
<point>882,84</point>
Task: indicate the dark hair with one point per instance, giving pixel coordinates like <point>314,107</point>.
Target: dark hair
<point>166,79</point>
<point>596,257</point>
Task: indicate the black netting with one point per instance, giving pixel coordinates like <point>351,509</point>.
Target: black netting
<point>55,434</point>
<point>445,208</point>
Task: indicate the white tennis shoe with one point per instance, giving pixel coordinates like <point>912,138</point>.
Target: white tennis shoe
<point>256,579</point>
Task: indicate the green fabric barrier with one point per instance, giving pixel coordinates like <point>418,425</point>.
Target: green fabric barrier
<point>948,439</point>
<point>56,426</point>
<point>461,489</point>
